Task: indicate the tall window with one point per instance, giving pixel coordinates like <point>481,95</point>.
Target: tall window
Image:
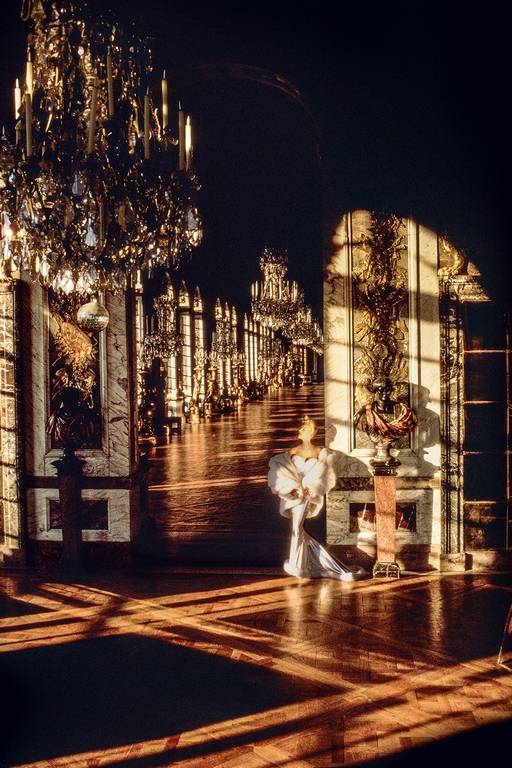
<point>247,355</point>
<point>487,523</point>
<point>186,353</point>
<point>199,344</point>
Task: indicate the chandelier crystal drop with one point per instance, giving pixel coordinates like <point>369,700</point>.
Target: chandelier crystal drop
<point>93,186</point>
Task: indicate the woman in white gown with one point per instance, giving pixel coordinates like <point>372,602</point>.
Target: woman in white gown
<point>301,477</point>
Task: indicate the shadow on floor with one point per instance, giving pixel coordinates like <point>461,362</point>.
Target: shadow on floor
<point>105,692</point>
<point>471,749</point>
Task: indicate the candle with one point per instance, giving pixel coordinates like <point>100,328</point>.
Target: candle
<point>28,123</point>
<point>165,104</point>
<point>17,99</point>
<point>188,142</point>
<point>29,76</point>
<point>92,118</point>
<point>110,85</point>
<point>17,107</point>
<point>181,138</point>
<point>101,223</point>
<point>146,125</point>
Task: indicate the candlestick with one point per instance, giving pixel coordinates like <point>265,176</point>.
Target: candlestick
<point>110,85</point>
<point>29,74</point>
<point>146,125</point>
<point>92,118</point>
<point>188,142</point>
<point>28,123</point>
<point>181,138</point>
<point>165,104</point>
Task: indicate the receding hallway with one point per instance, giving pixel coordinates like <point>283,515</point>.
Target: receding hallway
<point>212,671</point>
<point>208,487</point>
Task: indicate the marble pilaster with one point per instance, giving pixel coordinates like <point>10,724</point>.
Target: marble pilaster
<point>455,291</point>
<point>117,457</point>
<point>421,460</point>
<point>11,545</point>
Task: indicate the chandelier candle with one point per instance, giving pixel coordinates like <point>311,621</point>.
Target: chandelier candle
<point>92,118</point>
<point>188,142</point>
<point>110,86</point>
<point>181,138</point>
<point>165,103</point>
<point>29,75</point>
<point>28,122</point>
<point>146,125</point>
<point>17,107</point>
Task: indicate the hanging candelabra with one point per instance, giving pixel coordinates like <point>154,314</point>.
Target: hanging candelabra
<point>305,332</point>
<point>165,341</point>
<point>223,343</point>
<point>275,301</point>
<point>93,185</point>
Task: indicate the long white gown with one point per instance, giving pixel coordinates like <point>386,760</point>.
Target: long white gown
<point>288,478</point>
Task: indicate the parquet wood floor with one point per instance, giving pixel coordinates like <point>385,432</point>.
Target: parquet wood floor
<point>208,492</point>
<point>211,670</point>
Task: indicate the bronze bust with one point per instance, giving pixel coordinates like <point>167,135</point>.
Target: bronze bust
<point>384,420</point>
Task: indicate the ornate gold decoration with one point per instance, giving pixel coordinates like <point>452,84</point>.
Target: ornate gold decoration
<point>459,260</point>
<point>73,376</point>
<point>380,297</point>
<point>76,356</point>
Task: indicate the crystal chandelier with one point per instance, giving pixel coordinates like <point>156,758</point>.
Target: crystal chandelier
<point>166,340</point>
<point>93,186</point>
<point>305,332</point>
<point>275,301</point>
<point>223,344</point>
